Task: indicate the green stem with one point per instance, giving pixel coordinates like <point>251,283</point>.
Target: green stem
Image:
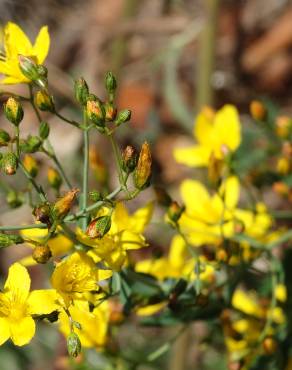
<point>71,122</point>
<point>4,93</point>
<point>83,200</point>
<point>118,159</point>
<point>17,141</point>
<point>23,227</point>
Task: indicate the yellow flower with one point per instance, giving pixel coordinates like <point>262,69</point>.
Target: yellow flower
<point>125,234</point>
<point>77,275</point>
<point>17,305</point>
<point>17,43</point>
<point>209,218</point>
<point>59,245</point>
<point>94,324</point>
<point>217,134</point>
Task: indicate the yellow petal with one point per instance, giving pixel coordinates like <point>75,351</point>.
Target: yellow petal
<point>42,45</point>
<point>120,218</point>
<point>227,127</point>
<point>4,330</point>
<point>229,192</point>
<point>178,252</point>
<point>42,301</point>
<point>131,240</point>
<point>141,218</point>
<point>103,274</point>
<point>193,156</point>
<point>22,331</point>
<point>15,41</point>
<point>203,129</point>
<point>151,309</point>
<point>18,282</point>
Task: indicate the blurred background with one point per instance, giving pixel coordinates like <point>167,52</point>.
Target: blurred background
<point>171,57</point>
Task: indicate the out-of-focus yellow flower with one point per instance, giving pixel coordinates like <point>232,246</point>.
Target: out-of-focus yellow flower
<point>94,324</point>
<point>281,293</point>
<point>247,303</point>
<point>210,218</point>
<point>77,275</point>
<point>217,134</point>
<point>17,305</point>
<point>125,234</point>
<point>59,245</point>
<point>17,43</point>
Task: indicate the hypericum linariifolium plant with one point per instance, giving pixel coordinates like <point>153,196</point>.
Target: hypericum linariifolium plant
<point>221,267</point>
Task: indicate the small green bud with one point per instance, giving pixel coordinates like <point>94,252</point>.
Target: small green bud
<point>110,83</point>
<point>73,345</point>
<point>6,240</point>
<point>81,91</point>
<point>14,199</point>
<point>32,71</point>
<point>95,196</point>
<point>9,163</point>
<point>54,178</point>
<point>42,254</point>
<point>142,172</point>
<point>110,112</point>
<point>13,111</point>
<point>42,70</point>
<point>44,101</point>
<point>4,138</point>
<point>123,116</point>
<point>44,130</point>
<point>31,145</point>
<point>175,211</point>
<point>129,159</point>
<point>99,227</point>
<point>95,112</point>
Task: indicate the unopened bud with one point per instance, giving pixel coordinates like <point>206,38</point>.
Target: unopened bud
<point>44,101</point>
<point>110,112</point>
<point>143,170</point>
<point>95,112</point>
<point>54,178</point>
<point>31,145</point>
<point>81,91</point>
<point>123,116</point>
<point>63,205</point>
<point>99,227</point>
<point>110,83</point>
<point>13,111</point>
<point>175,211</point>
<point>44,130</point>
<point>257,110</point>
<point>270,345</point>
<point>130,159</point>
<point>42,214</point>
<point>283,166</point>
<point>14,199</point>
<point>42,254</point>
<point>221,255</point>
<point>95,196</point>
<point>283,126</point>
<point>32,71</point>
<point>4,138</point>
<point>31,165</point>
<point>73,345</point>
<point>6,240</point>
<point>9,163</point>
<point>281,188</point>
<point>162,197</point>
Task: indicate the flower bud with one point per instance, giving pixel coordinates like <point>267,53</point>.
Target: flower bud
<point>143,170</point>
<point>270,345</point>
<point>14,199</point>
<point>129,159</point>
<point>257,110</point>
<point>44,130</point>
<point>31,145</point>
<point>123,116</point>
<point>31,165</point>
<point>81,91</point>
<point>63,205</point>
<point>13,111</point>
<point>110,83</point>
<point>162,197</point>
<point>44,101</point>
<point>4,138</point>
<point>95,112</point>
<point>42,214</point>
<point>283,126</point>
<point>110,112</point>
<point>9,163</point>
<point>175,211</point>
<point>281,188</point>
<point>6,240</point>
<point>42,254</point>
<point>95,196</point>
<point>283,166</point>
<point>73,344</point>
<point>31,70</point>
<point>99,227</point>
<point>54,178</point>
